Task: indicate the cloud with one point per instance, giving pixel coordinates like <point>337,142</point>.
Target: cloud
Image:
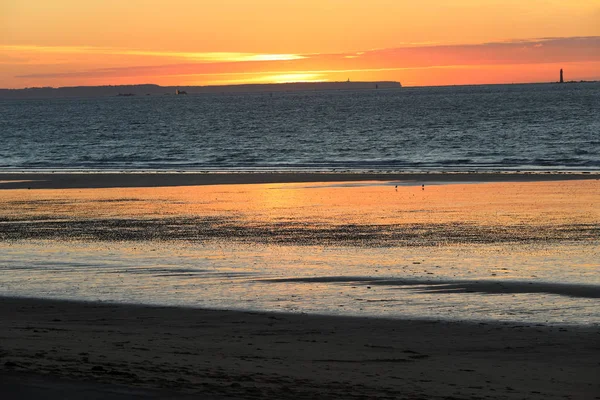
<point>195,56</point>
<point>522,51</point>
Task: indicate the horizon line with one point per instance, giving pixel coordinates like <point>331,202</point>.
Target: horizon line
<point>298,82</point>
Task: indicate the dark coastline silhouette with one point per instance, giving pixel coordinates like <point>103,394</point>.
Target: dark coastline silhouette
<point>149,89</point>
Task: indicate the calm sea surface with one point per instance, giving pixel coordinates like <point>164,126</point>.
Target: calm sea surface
<point>503,127</point>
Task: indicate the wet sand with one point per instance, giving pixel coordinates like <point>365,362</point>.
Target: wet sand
<point>61,180</point>
<point>367,213</point>
<point>114,351</point>
<point>73,346</point>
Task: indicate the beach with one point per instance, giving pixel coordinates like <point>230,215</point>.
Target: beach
<point>341,286</point>
<point>227,354</point>
<point>115,179</point>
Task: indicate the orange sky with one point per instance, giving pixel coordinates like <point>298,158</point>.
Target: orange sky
<point>201,42</point>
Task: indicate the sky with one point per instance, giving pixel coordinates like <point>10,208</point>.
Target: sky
<point>214,42</point>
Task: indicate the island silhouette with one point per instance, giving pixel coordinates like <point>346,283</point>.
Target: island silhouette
<point>150,89</point>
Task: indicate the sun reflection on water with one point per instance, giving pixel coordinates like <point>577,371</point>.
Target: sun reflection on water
<point>467,280</point>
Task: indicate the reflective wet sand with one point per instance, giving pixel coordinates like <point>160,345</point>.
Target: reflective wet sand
<point>511,251</point>
<point>364,214</point>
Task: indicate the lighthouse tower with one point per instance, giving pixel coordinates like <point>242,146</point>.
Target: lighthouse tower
<point>561,76</point>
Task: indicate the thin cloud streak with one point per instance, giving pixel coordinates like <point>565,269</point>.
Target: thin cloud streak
<point>196,56</point>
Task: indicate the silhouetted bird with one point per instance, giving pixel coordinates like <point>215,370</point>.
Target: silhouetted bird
<point>422,187</point>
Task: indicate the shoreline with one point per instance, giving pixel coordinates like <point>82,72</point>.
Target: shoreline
<point>96,180</point>
<point>586,326</point>
<point>233,354</point>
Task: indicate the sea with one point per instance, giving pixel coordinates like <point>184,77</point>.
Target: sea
<point>530,127</point>
<point>506,128</point>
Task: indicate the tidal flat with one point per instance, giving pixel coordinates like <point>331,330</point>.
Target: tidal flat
<point>402,287</point>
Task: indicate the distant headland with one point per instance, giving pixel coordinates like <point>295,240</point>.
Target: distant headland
<point>156,90</point>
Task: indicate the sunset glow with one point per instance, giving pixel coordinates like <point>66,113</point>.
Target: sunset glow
<point>191,43</point>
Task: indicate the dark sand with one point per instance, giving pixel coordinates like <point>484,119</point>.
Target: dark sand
<point>69,350</point>
<point>61,180</point>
